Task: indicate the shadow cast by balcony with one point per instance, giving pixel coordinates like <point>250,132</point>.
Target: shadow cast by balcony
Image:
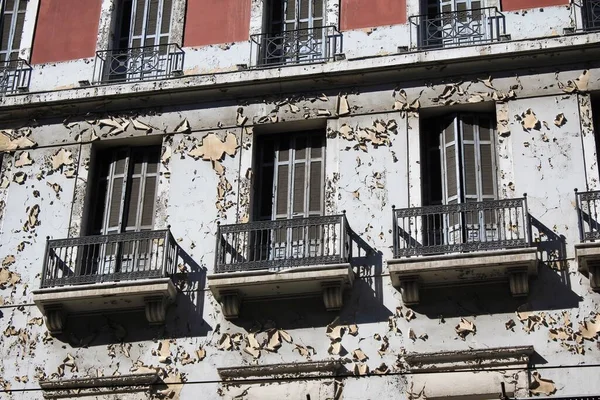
<point>302,257</point>
<point>464,243</point>
<point>125,271</point>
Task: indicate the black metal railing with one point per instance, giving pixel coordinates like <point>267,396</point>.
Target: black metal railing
<point>15,76</point>
<point>457,28</point>
<point>283,243</point>
<point>591,15</point>
<point>453,228</point>
<point>138,63</point>
<point>296,46</point>
<point>109,258</point>
<point>588,210</point>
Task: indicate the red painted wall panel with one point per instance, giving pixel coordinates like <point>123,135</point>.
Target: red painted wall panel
<point>356,14</point>
<point>512,5</point>
<point>216,21</point>
<point>66,30</point>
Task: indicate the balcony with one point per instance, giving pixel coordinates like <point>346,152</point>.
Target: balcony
<point>591,15</point>
<point>14,76</point>
<point>282,258</point>
<point>138,64</point>
<point>107,273</point>
<point>587,251</point>
<point>457,28</point>
<point>462,243</point>
<point>296,47</point>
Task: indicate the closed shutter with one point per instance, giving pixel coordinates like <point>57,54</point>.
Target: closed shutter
<point>150,22</point>
<point>13,17</point>
<point>126,190</point>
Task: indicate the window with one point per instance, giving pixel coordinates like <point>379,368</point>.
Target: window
<point>13,16</point>
<point>454,23</point>
<point>143,23</point>
<point>289,186</point>
<point>459,167</point>
<point>141,49</point>
<point>295,31</point>
<point>126,181</point>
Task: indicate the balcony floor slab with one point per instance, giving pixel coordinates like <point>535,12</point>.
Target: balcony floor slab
<point>104,296</point>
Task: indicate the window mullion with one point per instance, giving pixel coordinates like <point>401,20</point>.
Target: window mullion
<point>124,192</point>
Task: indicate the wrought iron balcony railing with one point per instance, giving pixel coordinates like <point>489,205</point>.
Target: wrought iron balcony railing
<point>591,15</point>
<point>588,210</point>
<point>138,63</point>
<point>457,28</point>
<point>109,258</point>
<point>454,228</point>
<point>296,46</point>
<point>283,243</point>
<point>15,76</point>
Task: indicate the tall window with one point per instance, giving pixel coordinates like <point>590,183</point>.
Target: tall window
<point>454,23</point>
<point>295,31</point>
<point>143,23</point>
<point>13,17</point>
<point>126,182</point>
<point>289,186</point>
<point>459,167</point>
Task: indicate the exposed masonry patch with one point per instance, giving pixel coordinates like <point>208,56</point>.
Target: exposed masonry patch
<point>379,134</point>
<point>14,139</point>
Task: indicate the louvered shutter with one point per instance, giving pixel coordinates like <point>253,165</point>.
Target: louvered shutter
<point>450,161</point>
<point>13,17</point>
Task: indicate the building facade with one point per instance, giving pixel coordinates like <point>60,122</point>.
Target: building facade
<point>300,199</point>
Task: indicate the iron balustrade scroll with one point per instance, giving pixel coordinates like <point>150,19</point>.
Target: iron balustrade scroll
<point>591,15</point>
<point>138,63</point>
<point>588,210</point>
<point>457,28</point>
<point>296,46</point>
<point>109,258</point>
<point>15,76</point>
<point>281,244</point>
<point>463,227</point>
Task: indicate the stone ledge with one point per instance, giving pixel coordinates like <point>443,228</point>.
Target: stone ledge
<point>588,262</point>
<point>469,359</point>
<point>302,369</point>
<point>105,385</point>
<point>514,265</point>
<point>230,289</point>
<point>152,294</point>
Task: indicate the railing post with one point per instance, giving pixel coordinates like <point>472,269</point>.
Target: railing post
<point>344,240</point>
<point>579,216</point>
<point>166,251</point>
<point>526,220</point>
<point>45,265</point>
<point>218,247</point>
<point>394,230</point>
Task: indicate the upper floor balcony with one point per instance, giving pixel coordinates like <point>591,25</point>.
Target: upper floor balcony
<point>462,242</point>
<point>588,251</point>
<point>15,76</point>
<point>457,28</point>
<point>138,64</point>
<point>107,272</point>
<point>282,258</point>
<point>311,45</point>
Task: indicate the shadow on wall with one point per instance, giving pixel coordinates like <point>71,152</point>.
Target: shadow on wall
<point>362,304</point>
<point>184,316</point>
<point>550,290</point>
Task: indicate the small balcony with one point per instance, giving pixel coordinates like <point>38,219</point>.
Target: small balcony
<point>296,47</point>
<point>457,29</point>
<point>591,15</point>
<point>15,76</point>
<point>138,64</point>
<point>107,273</point>
<point>587,251</point>
<point>282,258</point>
<point>456,244</point>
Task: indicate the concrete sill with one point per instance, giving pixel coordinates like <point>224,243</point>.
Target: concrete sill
<point>588,262</point>
<point>514,265</point>
<point>308,369</point>
<point>230,289</point>
<point>105,385</point>
<point>152,294</point>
